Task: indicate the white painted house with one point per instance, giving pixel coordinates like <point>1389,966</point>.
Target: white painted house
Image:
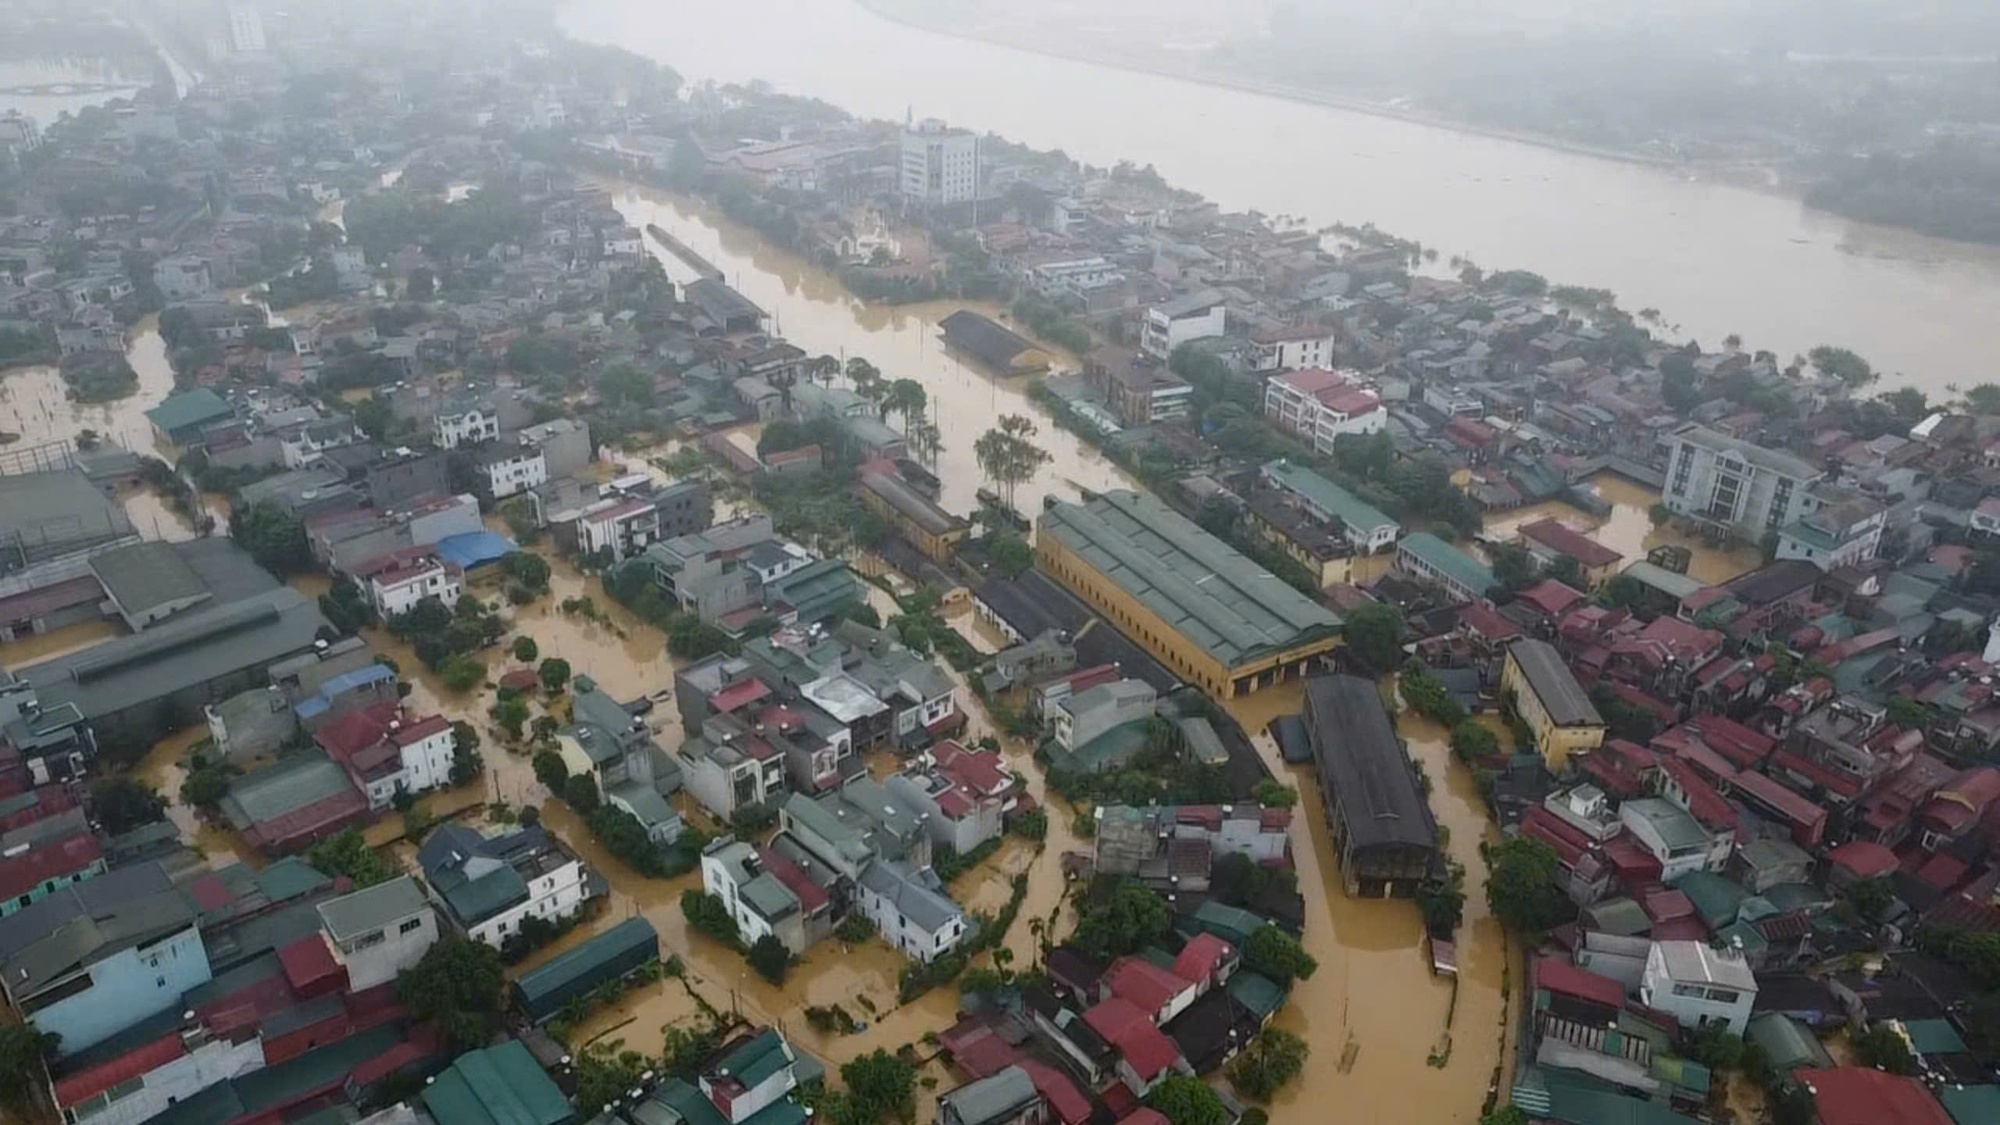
<point>488,886</point>
<point>1699,984</point>
<point>378,932</point>
<point>394,583</point>
<point>512,469</point>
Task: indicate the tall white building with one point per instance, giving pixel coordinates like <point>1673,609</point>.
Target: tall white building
<point>1733,482</point>
<point>940,164</point>
<point>246,29</point>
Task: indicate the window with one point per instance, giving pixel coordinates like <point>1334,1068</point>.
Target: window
<point>410,926</point>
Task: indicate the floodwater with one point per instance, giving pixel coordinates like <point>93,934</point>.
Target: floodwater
<point>165,768</point>
<point>1713,258</point>
<point>1378,1021</point>
<point>58,642</point>
<point>34,401</point>
<point>810,308</point>
<point>1629,530</point>
<point>47,88</point>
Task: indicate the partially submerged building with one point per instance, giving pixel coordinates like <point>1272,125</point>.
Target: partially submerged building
<point>1376,813</point>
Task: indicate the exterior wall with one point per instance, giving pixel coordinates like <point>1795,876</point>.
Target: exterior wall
<point>378,957</point>
<point>214,1061</point>
<point>403,596</point>
<point>1724,487</point>
<point>1164,641</point>
<point>427,762</point>
<point>516,474</point>
<point>559,893</point>
<point>789,930</point>
<point>1674,864</point>
<point>469,428</point>
<point>50,885</point>
<point>565,448</point>
<point>1162,334</point>
<point>1556,743</point>
<point>125,988</point>
<point>1695,1005</point>
<point>912,939</point>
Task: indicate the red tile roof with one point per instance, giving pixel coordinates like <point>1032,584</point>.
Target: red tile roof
<point>1807,819</point>
<point>1483,619</point>
<point>309,965</point>
<point>1550,596</point>
<point>739,694</point>
<point>413,732</point>
<point>1201,957</point>
<point>1961,801</point>
<point>22,873</point>
<point>1858,1095</point>
<point>1149,987</point>
<point>1864,859</point>
<point>1056,1088</point>
<point>1145,1115</point>
<point>1704,801</point>
<point>356,731</point>
<point>1564,979</point>
<point>811,895</point>
<point>1313,380</point>
<point>1146,1049</point>
<point>140,1060</point>
<point>1566,540</point>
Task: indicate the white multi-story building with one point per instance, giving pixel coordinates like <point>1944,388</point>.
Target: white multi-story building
<point>1745,487</point>
<point>383,753</point>
<point>512,469</point>
<point>378,932</point>
<point>1672,835</point>
<point>1842,530</point>
<point>1074,275</point>
<point>397,581</point>
<point>1699,984</point>
<point>1321,406</point>
<point>466,422</point>
<point>488,886</point>
<point>1289,349</point>
<point>1197,316</point>
<point>940,164</point>
<point>246,29</point>
<point>909,909</point>
<point>757,899</point>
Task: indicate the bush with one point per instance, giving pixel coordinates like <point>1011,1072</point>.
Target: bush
<point>1272,1059</point>
<point>551,771</point>
<point>1473,741</point>
<point>349,854</point>
<point>749,820</point>
<point>1031,825</point>
<point>855,928</point>
<point>1278,955</point>
<point>463,673</point>
<point>580,793</point>
<point>770,958</point>
<point>526,650</point>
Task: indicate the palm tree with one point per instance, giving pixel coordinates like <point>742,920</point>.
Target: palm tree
<point>904,397</point>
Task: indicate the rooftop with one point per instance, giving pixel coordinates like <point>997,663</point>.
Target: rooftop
<point>1357,514</point>
<point>1774,460</point>
<point>1552,682</point>
<point>1235,610</point>
<point>1449,561</point>
<point>354,915</point>
<point>1363,764</point>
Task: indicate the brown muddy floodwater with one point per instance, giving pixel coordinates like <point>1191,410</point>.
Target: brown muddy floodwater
<point>810,308</point>
<point>1629,530</point>
<point>1391,1043</point>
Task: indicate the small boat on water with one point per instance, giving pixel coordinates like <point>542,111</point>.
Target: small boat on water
<point>1443,953</point>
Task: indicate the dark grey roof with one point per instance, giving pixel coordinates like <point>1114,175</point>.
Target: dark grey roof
<point>1033,605</point>
<point>925,908</point>
<point>916,507</point>
<point>720,302</point>
<point>81,923</point>
<point>57,509</point>
<point>179,653</point>
<point>985,339</point>
<point>1562,697</point>
<point>996,1098</point>
<point>143,576</point>
<point>1362,764</point>
<point>294,782</point>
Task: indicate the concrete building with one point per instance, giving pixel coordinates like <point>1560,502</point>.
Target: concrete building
<point>1547,540</point>
<point>44,517</point>
<point>1208,613</point>
<point>564,444</point>
<point>757,899</point>
<point>1007,1097</point>
<point>97,957</point>
<point>1427,558</point>
<point>940,164</point>
<point>1551,702</point>
<point>1291,348</point>
<point>378,932</point>
<point>1321,406</point>
<point>246,29</point>
<point>1844,530</point>
<point>1361,524</point>
<point>512,467</point>
<point>1699,985</point>
<point>1380,824</point>
<point>709,573</point>
<point>488,886</point>
<point>1139,388</point>
<point>385,752</point>
<point>1742,486</point>
<point>1674,837</point>
<point>395,582</point>
<point>909,908</point>
<point>465,419</point>
<point>182,278</point>
<point>917,517</point>
<point>1077,720</point>
<point>1183,320</point>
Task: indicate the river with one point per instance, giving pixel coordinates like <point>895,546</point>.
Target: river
<point>1714,259</point>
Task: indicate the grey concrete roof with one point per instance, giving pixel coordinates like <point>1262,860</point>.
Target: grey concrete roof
<point>372,907</point>
<point>290,784</point>
<point>995,1098</point>
<point>1675,826</point>
<point>927,909</point>
<point>1553,683</point>
<point>78,924</point>
<point>1775,460</point>
<point>1233,609</point>
<point>142,576</point>
<point>59,507</point>
<point>1363,765</point>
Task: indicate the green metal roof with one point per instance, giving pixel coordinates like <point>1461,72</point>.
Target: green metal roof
<point>290,878</point>
<point>1934,1037</point>
<point>1788,1043</point>
<point>1449,561</point>
<point>197,407</point>
<point>1258,992</point>
<point>500,1085</point>
<point>1231,923</point>
<point>1715,897</point>
<point>1666,581</point>
<point>475,900</point>
<point>1229,607</point>
<point>1971,1105</point>
<point>1360,516</point>
<point>756,1060</point>
<point>587,958</point>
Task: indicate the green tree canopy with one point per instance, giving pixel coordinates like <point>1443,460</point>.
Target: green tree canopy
<point>1375,634</point>
<point>1127,919</point>
<point>1522,885</point>
<point>459,986</point>
<point>1186,1100</point>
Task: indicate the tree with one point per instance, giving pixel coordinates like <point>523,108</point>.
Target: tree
<point>924,440</point>
<point>770,958</point>
<point>1506,1115</point>
<point>272,536</point>
<point>1010,553</point>
<point>23,1054</point>
<point>706,912</point>
<point>605,1070</point>
<point>551,771</point>
<point>867,379</point>
<point>1513,567</point>
<point>1473,741</point>
<point>1871,898</point>
<point>1677,383</point>
<point>905,398</point>
<point>349,854</point>
<point>625,388</point>
<point>528,568</point>
<point>1522,885</point>
<point>1984,399</point>
<point>122,804</point>
<point>1569,572</point>
<point>1007,456</point>
<point>511,712</point>
<point>1659,514</point>
<point>1906,712</point>
<point>1274,794</point>
<point>880,1085</point>
<point>459,987</point>
<point>580,793</point>
<point>1124,921</point>
<point>1883,1047</point>
<point>555,673</point>
<point>1375,635</point>
<point>1186,1100</point>
<point>1442,900</point>
<point>1274,1058</point>
<point>1278,955</point>
<point>1843,365</point>
<point>466,762</point>
<point>462,673</point>
<point>526,650</point>
<point>1792,1104</point>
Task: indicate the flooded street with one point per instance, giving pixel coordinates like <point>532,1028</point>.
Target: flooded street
<point>810,308</point>
<point>1379,1022</point>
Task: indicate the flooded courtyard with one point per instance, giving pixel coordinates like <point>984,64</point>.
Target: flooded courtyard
<point>1630,530</point>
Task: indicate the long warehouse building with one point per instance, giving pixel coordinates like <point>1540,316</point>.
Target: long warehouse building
<point>1214,617</point>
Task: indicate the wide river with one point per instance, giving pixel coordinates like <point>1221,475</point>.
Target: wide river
<point>1713,259</point>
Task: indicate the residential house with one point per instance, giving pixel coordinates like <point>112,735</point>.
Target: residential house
<point>43,856</point>
<point>1746,487</point>
<point>1699,984</point>
<point>917,517</point>
<point>909,908</point>
<point>726,776</point>
<point>760,902</point>
<point>378,932</point>
<point>1675,837</point>
<point>395,582</point>
<point>1139,387</point>
<point>1291,347</point>
<point>1548,540</point>
<point>1431,560</point>
<point>1008,1097</point>
<point>489,886</point>
<point>1363,526</point>
<point>1183,320</point>
<point>1078,719</point>
<point>610,742</point>
<point>465,419</point>
<point>512,467</point>
<point>1844,530</point>
<point>1321,406</point>
<point>385,752</point>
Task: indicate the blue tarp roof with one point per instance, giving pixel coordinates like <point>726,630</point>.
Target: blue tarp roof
<point>475,548</point>
<point>340,685</point>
